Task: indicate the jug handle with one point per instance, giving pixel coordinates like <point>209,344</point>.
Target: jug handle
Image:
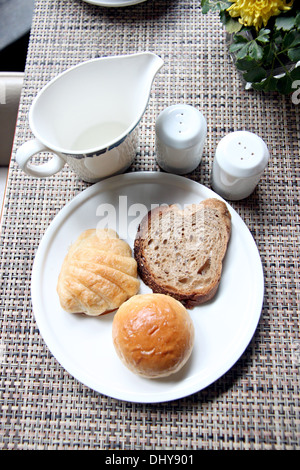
<point>31,148</point>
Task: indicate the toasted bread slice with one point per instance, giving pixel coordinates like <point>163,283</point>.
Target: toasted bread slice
<point>180,252</point>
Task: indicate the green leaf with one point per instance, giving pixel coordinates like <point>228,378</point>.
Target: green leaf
<point>236,47</point>
<point>269,53</point>
<point>246,64</point>
<point>240,38</point>
<point>294,54</point>
<point>264,35</point>
<point>205,6</point>
<point>257,74</point>
<point>277,38</point>
<point>243,52</point>
<point>270,84</point>
<point>239,49</point>
<point>214,5</point>
<point>284,85</point>
<point>222,6</point>
<point>231,25</point>
<point>291,39</point>
<point>295,73</point>
<point>286,23</point>
<point>255,51</point>
<point>258,86</point>
<point>297,20</point>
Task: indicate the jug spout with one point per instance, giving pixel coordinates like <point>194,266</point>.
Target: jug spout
<point>151,63</point>
<point>141,71</point>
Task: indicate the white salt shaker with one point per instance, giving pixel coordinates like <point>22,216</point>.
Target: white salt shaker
<point>240,160</point>
<point>180,135</point>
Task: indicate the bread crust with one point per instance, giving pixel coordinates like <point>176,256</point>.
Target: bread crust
<point>192,298</point>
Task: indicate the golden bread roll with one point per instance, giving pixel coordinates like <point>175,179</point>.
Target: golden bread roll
<point>98,273</point>
<point>153,335</point>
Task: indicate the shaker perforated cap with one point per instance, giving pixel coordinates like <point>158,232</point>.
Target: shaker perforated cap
<point>181,126</point>
<point>242,154</point>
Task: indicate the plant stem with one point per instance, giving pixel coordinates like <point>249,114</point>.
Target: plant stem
<point>283,66</point>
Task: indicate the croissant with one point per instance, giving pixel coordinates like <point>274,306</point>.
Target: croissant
<point>98,273</point>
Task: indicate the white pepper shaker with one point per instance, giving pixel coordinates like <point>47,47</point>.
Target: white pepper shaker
<point>240,160</point>
<point>180,135</point>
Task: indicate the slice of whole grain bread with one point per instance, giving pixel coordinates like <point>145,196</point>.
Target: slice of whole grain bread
<point>180,252</point>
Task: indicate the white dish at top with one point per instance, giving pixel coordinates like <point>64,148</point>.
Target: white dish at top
<point>83,345</point>
<point>114,3</point>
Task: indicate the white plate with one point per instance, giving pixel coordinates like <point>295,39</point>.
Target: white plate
<point>83,345</point>
<point>114,3</point>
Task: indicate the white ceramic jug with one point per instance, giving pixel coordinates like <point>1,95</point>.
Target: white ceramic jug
<point>88,117</point>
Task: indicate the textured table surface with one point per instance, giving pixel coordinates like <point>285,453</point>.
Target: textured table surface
<point>255,405</point>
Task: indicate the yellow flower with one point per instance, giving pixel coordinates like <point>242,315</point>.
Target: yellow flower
<point>257,12</point>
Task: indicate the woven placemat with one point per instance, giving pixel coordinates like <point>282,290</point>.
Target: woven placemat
<point>256,404</point>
